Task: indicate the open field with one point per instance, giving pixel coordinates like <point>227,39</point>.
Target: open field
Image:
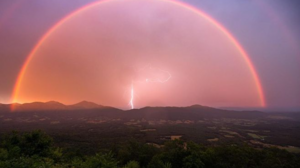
<point>90,130</point>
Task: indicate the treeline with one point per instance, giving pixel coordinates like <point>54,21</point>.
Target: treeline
<point>37,150</point>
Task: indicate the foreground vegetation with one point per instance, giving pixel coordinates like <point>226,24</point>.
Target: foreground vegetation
<point>36,150</point>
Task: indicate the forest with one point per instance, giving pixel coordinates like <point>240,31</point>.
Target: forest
<point>36,149</point>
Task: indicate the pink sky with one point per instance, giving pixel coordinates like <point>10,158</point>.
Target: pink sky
<point>169,39</point>
<point>98,54</point>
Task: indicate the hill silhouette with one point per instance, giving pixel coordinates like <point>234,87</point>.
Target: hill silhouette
<point>85,108</point>
<point>50,106</point>
<point>90,109</point>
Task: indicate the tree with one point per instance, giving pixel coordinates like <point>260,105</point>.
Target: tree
<point>192,161</point>
<point>157,162</point>
<point>142,153</point>
<point>174,152</point>
<point>28,144</point>
<point>100,161</point>
<point>36,143</point>
<point>132,164</point>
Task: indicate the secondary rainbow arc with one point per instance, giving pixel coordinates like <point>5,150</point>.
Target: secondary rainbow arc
<point>186,6</point>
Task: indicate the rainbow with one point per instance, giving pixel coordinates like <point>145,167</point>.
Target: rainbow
<point>173,2</point>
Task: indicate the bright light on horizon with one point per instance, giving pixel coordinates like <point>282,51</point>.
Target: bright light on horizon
<point>131,97</point>
<point>149,74</point>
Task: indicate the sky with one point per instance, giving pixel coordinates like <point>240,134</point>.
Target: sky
<point>152,53</point>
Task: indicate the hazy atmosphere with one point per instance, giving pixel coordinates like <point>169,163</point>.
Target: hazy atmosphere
<point>149,83</point>
<point>169,53</point>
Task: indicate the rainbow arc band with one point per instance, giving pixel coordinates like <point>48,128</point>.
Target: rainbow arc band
<point>173,2</point>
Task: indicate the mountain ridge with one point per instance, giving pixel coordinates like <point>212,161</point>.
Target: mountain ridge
<point>87,105</point>
<point>89,109</point>
<point>50,106</point>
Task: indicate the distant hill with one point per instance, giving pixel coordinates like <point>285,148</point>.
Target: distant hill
<point>190,113</point>
<point>85,105</point>
<point>50,106</point>
<point>92,110</point>
<point>6,107</point>
<point>40,106</point>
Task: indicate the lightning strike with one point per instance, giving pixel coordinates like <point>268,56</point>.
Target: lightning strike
<point>131,97</point>
<point>154,71</point>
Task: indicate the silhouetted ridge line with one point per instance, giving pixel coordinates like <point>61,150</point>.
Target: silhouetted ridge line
<point>52,106</point>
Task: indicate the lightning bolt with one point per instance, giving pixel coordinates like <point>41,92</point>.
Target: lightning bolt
<point>131,97</point>
<point>148,80</point>
<point>155,80</point>
<point>160,80</point>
